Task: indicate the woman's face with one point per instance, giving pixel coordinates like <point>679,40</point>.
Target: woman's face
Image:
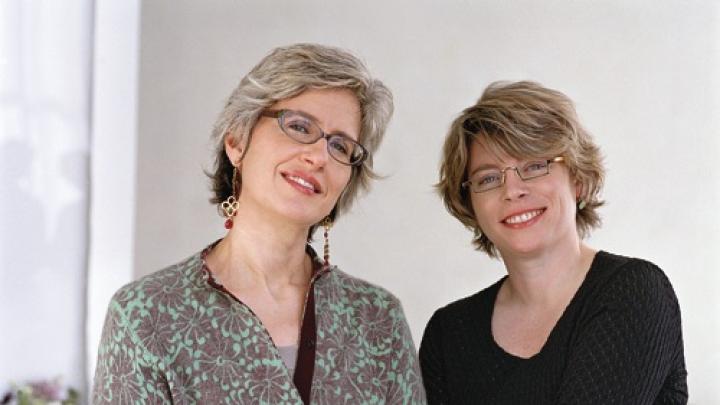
<point>524,218</point>
<point>297,182</point>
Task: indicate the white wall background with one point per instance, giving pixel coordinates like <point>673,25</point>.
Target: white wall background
<point>644,74</point>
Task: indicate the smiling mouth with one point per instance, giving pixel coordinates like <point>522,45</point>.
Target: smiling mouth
<point>524,217</point>
<point>299,181</point>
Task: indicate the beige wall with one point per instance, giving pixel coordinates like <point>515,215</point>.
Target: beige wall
<point>644,75</point>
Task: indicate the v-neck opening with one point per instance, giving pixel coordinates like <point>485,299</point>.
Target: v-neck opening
<point>492,297</point>
<point>319,269</point>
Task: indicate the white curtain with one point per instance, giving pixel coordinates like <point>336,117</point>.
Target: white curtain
<point>45,79</point>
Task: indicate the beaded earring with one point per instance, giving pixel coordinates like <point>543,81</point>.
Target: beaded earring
<point>327,224</point>
<point>230,206</point>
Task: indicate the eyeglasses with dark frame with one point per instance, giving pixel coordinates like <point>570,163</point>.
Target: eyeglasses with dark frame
<point>486,180</point>
<point>303,129</point>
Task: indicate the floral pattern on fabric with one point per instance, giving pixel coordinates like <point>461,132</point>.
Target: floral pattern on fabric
<point>170,337</point>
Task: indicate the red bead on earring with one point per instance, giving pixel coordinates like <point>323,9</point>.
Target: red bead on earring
<point>229,207</point>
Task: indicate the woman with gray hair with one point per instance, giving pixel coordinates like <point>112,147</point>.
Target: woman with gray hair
<point>258,317</point>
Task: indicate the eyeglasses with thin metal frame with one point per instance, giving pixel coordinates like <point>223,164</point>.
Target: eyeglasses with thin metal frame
<point>303,129</point>
<point>486,180</point>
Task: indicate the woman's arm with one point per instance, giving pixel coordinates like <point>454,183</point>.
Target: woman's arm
<point>127,372</point>
<point>629,349</point>
<point>406,386</point>
<point>431,362</point>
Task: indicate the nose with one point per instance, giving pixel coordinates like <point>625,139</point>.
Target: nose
<point>316,154</point>
<point>514,186</point>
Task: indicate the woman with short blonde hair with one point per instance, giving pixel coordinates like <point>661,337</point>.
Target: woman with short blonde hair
<point>568,324</point>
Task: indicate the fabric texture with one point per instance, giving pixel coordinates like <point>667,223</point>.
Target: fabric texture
<point>171,337</point>
<point>618,341</point>
<point>289,355</point>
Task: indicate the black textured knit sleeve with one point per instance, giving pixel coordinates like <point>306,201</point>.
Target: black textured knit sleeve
<point>431,363</point>
<point>628,348</point>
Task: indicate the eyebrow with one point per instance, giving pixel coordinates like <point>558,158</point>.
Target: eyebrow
<point>486,166</point>
<point>315,120</point>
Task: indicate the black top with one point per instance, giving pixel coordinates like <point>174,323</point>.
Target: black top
<point>619,341</point>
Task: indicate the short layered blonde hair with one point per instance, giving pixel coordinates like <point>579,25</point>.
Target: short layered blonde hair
<point>523,120</point>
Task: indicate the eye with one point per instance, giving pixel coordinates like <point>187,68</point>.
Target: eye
<point>341,145</point>
<point>489,179</point>
<point>298,126</point>
<point>535,167</point>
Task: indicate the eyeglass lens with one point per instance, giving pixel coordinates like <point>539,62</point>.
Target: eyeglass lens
<point>305,130</point>
<point>494,178</point>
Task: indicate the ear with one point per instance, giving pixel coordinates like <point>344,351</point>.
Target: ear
<point>579,190</point>
<point>233,148</point>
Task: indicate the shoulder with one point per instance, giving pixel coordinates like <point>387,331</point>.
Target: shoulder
<point>628,280</point>
<point>606,261</point>
<point>167,282</point>
<point>139,321</point>
<point>466,308</point>
<point>343,293</point>
<point>631,272</point>
<point>460,324</point>
<point>139,309</point>
<point>358,288</point>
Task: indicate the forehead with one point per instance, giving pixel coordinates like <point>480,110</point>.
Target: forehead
<point>334,110</point>
<point>482,153</point>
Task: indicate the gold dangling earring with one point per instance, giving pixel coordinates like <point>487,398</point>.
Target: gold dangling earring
<point>230,206</point>
<point>327,224</point>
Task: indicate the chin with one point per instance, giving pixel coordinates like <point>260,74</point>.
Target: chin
<point>521,249</point>
<point>302,215</point>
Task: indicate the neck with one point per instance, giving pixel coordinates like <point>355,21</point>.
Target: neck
<point>547,279</point>
<point>261,250</point>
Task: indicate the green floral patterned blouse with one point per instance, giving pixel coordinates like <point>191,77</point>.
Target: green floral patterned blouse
<point>172,337</point>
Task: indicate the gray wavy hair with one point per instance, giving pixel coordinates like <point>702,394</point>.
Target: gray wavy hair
<point>284,73</point>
